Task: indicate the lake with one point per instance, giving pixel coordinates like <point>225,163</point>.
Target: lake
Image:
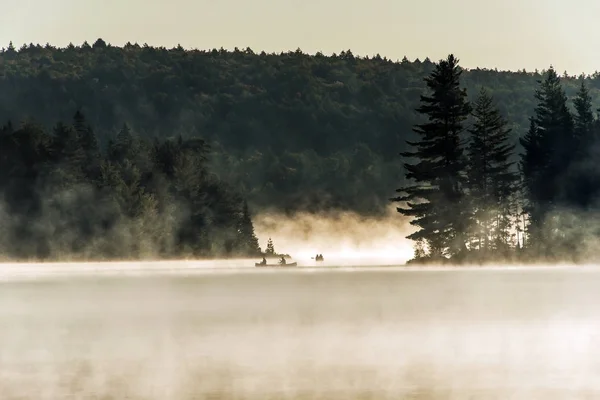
<point>227,331</point>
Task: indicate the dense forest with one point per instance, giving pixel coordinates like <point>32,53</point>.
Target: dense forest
<point>289,131</point>
<point>67,197</point>
<point>186,142</point>
<point>468,198</point>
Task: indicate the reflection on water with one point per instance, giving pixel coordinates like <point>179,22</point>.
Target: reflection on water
<point>301,334</point>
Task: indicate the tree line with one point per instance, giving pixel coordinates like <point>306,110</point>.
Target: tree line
<point>472,198</point>
<point>290,131</point>
<point>67,197</point>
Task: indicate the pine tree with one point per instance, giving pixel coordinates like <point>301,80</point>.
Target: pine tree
<point>492,181</point>
<point>582,180</point>
<point>10,51</point>
<point>270,248</point>
<point>550,146</point>
<point>532,167</point>
<point>248,240</point>
<point>555,122</point>
<point>436,201</point>
<point>99,44</point>
<point>583,118</point>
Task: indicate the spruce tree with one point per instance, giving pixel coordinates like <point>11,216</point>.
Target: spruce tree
<point>582,180</point>
<point>436,201</point>
<point>492,180</point>
<point>248,241</point>
<point>270,248</point>
<point>583,118</point>
<point>532,167</point>
<point>550,147</point>
<point>555,123</point>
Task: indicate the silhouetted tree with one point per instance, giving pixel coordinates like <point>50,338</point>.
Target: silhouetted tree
<point>549,147</point>
<point>270,248</point>
<point>582,180</point>
<point>492,181</point>
<point>583,119</point>
<point>99,44</point>
<point>248,240</point>
<point>436,201</point>
<point>532,166</point>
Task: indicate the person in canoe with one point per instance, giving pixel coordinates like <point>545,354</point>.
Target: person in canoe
<point>282,261</point>
<point>264,261</point>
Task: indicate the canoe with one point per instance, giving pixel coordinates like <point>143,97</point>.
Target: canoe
<point>294,264</point>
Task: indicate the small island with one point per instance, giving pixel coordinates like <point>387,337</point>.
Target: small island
<point>474,199</point>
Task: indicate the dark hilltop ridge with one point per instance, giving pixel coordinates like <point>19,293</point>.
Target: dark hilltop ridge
<point>141,151</point>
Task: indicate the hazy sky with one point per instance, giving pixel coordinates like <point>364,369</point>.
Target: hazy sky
<point>508,34</point>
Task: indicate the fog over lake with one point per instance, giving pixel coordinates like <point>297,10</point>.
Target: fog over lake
<point>224,330</point>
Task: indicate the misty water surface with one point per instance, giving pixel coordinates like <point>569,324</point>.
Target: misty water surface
<point>303,334</point>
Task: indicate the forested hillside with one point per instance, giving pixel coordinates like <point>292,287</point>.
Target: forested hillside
<point>289,131</point>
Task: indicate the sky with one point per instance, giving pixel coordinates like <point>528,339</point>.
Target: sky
<point>508,34</point>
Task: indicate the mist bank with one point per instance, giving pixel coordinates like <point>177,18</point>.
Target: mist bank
<point>508,334</point>
<point>339,235</point>
<point>64,197</point>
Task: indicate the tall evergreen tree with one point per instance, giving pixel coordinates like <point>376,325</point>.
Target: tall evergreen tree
<point>492,180</point>
<point>436,201</point>
<point>582,178</point>
<point>550,146</point>
<point>532,166</point>
<point>555,122</point>
<point>248,243</point>
<point>583,118</point>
